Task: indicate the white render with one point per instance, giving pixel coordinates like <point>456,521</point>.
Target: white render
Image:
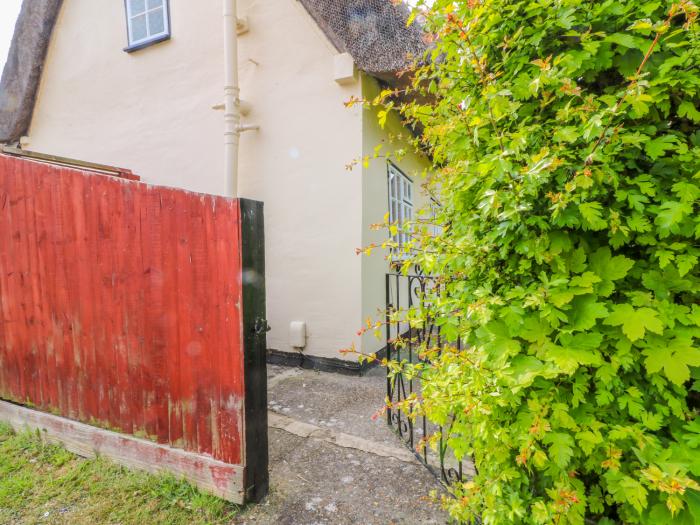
<point>153,111</point>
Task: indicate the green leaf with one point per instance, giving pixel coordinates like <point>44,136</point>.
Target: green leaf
<point>627,40</point>
<point>665,257</point>
<point>634,322</point>
<point>674,358</point>
<point>560,448</point>
<point>659,146</point>
<point>566,134</point>
<point>381,117</point>
<point>561,417</point>
<point>588,440</point>
<point>610,268</point>
<point>639,223</point>
<point>687,192</point>
<point>640,102</point>
<point>659,514</point>
<point>592,216</point>
<point>643,25</point>
<point>692,498</point>
<point>677,372</point>
<point>584,282</point>
<point>671,213</point>
<point>500,344</point>
<point>560,299</point>
<point>694,315</point>
<point>687,109</point>
<point>626,489</point>
<point>585,310</point>
<point>523,370</point>
<point>576,260</point>
<point>535,330</point>
<point>576,351</point>
<point>685,263</point>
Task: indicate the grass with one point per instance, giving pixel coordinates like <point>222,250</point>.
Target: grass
<point>45,484</point>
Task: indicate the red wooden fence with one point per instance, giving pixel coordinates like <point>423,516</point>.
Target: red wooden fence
<point>122,306</point>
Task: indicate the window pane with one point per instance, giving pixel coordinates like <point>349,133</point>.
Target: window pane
<point>137,6</point>
<point>156,22</point>
<point>400,202</point>
<point>152,4</point>
<point>139,31</point>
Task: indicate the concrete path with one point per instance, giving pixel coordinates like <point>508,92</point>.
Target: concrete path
<point>331,464</point>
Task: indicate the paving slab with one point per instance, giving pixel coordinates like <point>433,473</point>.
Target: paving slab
<point>347,403</point>
<point>332,464</point>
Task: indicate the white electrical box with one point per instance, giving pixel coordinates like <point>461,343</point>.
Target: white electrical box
<point>297,334</point>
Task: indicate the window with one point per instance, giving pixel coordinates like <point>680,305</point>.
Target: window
<point>148,22</point>
<point>400,201</point>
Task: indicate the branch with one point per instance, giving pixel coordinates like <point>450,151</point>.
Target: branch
<point>633,82</point>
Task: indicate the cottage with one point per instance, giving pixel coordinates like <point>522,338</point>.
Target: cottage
<point>139,84</point>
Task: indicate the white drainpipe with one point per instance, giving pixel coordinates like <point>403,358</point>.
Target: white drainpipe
<point>232,92</point>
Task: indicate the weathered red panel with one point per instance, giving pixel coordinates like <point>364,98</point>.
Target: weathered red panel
<point>120,305</point>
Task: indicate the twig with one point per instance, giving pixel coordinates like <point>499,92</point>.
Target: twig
<point>633,82</point>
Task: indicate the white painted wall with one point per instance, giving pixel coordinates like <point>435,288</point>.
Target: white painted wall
<point>151,111</point>
<point>296,165</point>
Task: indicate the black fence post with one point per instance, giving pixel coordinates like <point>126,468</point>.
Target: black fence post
<point>255,349</point>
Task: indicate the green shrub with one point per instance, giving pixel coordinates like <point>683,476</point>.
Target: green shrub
<point>567,150</point>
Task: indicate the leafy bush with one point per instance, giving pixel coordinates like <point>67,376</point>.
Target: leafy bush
<point>567,150</point>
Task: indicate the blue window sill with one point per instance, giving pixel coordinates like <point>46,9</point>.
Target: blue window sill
<point>147,43</point>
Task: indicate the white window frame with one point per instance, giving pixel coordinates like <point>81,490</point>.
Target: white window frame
<point>400,202</point>
<point>151,38</point>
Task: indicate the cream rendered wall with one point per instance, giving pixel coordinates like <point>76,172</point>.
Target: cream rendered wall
<point>151,111</point>
<point>375,190</point>
<point>296,165</point>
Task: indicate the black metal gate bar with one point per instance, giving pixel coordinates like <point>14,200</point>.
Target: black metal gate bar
<point>445,467</point>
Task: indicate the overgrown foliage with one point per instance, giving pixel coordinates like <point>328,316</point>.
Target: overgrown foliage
<point>567,147</point>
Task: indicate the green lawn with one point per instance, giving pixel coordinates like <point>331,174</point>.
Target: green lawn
<point>45,484</point>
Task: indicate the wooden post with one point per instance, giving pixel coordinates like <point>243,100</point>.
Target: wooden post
<point>254,346</point>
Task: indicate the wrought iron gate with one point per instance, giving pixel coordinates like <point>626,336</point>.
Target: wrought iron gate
<point>404,292</point>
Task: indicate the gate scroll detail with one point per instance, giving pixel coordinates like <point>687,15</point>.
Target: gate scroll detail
<point>404,342</point>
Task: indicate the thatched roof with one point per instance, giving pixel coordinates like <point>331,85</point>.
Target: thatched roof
<point>20,78</point>
<point>374,32</point>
